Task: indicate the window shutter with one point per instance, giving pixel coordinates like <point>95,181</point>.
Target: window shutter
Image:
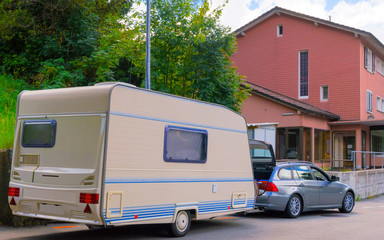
<point>373,63</point>
<point>366,57</point>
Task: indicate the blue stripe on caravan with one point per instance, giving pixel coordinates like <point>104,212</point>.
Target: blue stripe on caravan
<point>175,122</point>
<point>167,210</point>
<point>120,180</point>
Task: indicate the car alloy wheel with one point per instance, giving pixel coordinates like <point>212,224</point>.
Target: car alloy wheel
<point>293,208</point>
<point>348,203</point>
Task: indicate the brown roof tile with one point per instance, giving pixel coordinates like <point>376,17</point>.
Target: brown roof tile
<point>291,102</point>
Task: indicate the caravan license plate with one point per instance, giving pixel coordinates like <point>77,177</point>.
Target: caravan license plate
<point>51,209</point>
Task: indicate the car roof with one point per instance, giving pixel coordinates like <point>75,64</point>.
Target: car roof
<point>285,163</point>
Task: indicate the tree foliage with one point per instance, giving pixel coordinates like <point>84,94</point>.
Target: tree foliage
<point>61,43</point>
<point>190,53</point>
<point>56,43</point>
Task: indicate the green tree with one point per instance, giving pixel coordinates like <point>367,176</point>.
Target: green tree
<point>190,53</point>
<point>56,43</point>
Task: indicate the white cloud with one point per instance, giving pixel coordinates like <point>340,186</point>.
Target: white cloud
<point>365,15</point>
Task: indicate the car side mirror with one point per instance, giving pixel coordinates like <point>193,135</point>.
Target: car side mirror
<point>334,178</point>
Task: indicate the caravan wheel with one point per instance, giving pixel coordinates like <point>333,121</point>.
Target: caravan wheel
<point>181,225</point>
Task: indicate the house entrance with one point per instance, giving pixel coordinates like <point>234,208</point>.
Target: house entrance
<point>343,145</point>
<point>294,143</point>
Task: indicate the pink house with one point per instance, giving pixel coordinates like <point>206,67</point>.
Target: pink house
<point>322,82</point>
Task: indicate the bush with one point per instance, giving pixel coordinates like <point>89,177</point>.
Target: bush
<point>8,100</point>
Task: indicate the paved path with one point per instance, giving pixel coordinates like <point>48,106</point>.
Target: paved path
<point>365,222</point>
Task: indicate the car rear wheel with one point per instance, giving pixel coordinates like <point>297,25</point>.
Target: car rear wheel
<point>294,206</point>
<point>348,203</point>
<point>94,227</point>
<point>181,225</point>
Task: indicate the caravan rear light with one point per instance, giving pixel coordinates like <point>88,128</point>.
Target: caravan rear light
<point>271,187</point>
<point>89,198</point>
<point>14,192</point>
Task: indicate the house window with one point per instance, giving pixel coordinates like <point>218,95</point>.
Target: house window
<point>185,145</point>
<point>369,101</point>
<point>380,104</point>
<point>279,30</point>
<point>303,74</point>
<point>322,145</point>
<point>380,66</point>
<point>324,93</point>
<point>369,60</point>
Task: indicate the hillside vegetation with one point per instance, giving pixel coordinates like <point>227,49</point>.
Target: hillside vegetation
<point>56,44</point>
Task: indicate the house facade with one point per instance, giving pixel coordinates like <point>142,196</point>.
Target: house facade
<point>329,80</point>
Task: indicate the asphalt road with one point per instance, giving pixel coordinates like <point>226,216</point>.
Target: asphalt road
<point>365,222</point>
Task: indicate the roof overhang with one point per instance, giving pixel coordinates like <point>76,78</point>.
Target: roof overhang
<point>255,125</point>
<point>366,123</point>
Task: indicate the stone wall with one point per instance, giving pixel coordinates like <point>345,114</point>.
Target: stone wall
<point>366,183</point>
<point>5,163</point>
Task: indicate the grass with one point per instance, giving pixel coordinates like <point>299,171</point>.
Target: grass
<point>10,89</point>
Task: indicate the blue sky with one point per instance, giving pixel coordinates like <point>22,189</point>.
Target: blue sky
<point>367,15</point>
<point>332,3</point>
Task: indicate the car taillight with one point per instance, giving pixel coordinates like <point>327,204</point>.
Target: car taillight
<point>271,187</point>
<point>262,185</point>
<point>92,198</point>
<point>13,192</point>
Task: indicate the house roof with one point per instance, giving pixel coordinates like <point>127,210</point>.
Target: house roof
<point>291,102</point>
<point>363,35</point>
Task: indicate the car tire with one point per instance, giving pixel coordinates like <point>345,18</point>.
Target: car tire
<point>181,225</point>
<point>348,203</point>
<point>294,206</point>
<point>94,227</point>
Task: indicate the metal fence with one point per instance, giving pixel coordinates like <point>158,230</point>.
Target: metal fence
<point>368,160</point>
<point>359,160</point>
<point>335,164</point>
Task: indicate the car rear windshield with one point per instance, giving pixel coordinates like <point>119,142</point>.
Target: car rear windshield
<point>260,151</point>
<point>38,133</point>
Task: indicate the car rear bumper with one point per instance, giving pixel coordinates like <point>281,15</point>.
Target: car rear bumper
<point>272,201</point>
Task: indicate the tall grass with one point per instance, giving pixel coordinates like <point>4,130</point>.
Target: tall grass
<point>9,90</point>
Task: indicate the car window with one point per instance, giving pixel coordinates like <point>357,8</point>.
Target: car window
<point>295,174</point>
<point>319,175</point>
<point>285,174</point>
<point>260,152</point>
<point>304,173</point>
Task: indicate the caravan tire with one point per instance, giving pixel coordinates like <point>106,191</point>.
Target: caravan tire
<point>181,225</point>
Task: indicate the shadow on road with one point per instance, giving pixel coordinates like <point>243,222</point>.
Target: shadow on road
<point>158,231</point>
<point>274,214</point>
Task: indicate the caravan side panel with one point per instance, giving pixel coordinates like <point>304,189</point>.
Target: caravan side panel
<point>140,186</point>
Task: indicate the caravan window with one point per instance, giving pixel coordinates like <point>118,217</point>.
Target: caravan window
<point>185,145</point>
<point>38,133</point>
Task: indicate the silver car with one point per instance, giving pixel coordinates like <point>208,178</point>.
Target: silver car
<point>295,187</point>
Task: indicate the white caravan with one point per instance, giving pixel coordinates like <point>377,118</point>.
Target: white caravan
<point>113,154</point>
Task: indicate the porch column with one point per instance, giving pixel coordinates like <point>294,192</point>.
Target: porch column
<point>358,147</point>
<point>312,145</point>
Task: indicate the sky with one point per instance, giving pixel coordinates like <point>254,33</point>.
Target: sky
<point>366,15</point>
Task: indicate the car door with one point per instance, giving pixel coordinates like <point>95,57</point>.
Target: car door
<point>309,187</point>
<point>330,192</point>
